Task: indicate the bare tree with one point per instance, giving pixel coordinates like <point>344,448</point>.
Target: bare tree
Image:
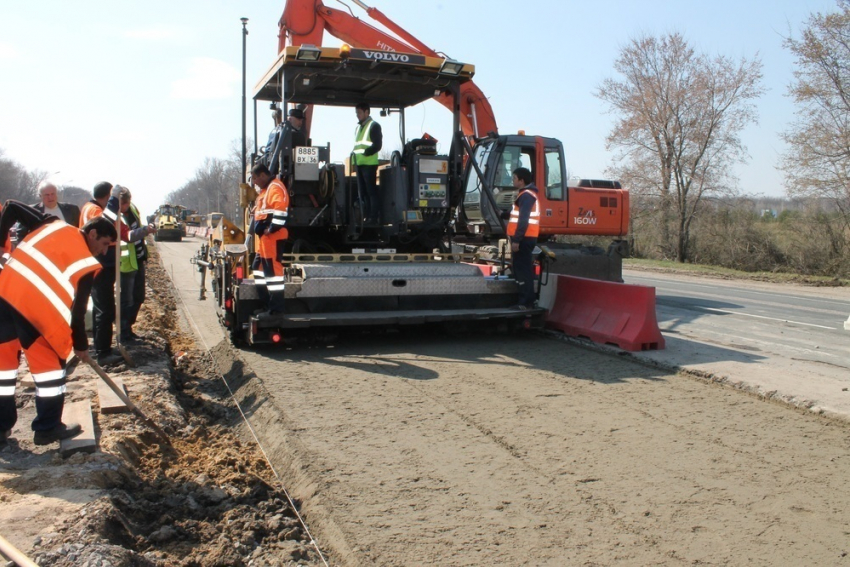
<point>680,115</point>
<point>18,183</point>
<point>817,163</point>
<point>214,185</point>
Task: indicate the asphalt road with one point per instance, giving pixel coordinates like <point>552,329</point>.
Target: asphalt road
<point>782,340</point>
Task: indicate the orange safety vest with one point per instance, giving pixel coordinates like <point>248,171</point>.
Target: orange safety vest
<point>41,279</point>
<point>274,202</point>
<point>90,211</point>
<point>533,230</point>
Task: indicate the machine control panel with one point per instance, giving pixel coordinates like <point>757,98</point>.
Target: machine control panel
<point>432,173</point>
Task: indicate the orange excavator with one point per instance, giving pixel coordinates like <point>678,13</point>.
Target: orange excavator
<point>568,207</point>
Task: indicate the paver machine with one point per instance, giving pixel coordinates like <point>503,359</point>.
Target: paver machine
<point>341,271</point>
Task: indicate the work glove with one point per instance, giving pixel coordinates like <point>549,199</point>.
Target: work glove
<point>116,190</point>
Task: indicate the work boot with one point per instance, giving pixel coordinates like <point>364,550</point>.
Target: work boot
<point>61,431</point>
<point>4,437</point>
<point>109,358</point>
<point>132,338</point>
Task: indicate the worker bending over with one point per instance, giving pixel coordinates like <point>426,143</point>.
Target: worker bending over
<point>269,229</point>
<point>44,292</point>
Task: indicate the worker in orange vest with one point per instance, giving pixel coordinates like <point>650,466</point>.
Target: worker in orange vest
<point>103,290</point>
<point>269,228</point>
<point>44,291</point>
<point>523,230</point>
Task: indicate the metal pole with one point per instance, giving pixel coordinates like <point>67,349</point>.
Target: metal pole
<point>244,100</point>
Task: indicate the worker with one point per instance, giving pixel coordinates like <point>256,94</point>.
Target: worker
<point>44,293</point>
<point>290,137</point>
<point>270,157</point>
<point>50,204</point>
<point>523,230</point>
<point>294,129</point>
<point>368,141</point>
<point>134,254</point>
<point>103,289</point>
<point>269,226</point>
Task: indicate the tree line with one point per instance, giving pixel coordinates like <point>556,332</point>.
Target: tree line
<point>214,186</point>
<point>679,115</point>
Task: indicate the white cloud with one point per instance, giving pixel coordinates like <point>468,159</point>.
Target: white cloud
<point>8,52</point>
<point>154,33</point>
<point>208,79</point>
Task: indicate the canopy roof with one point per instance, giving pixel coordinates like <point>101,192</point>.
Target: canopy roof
<point>331,76</point>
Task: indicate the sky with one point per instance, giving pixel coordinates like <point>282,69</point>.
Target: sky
<point>139,93</point>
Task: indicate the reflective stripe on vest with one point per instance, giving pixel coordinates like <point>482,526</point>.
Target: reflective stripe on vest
<point>140,244</point>
<point>362,142</point>
<point>274,202</point>
<point>533,229</point>
<point>90,210</point>
<point>41,279</point>
<point>49,384</point>
<point>128,253</point>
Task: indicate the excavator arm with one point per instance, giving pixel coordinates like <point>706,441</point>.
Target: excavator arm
<point>304,22</point>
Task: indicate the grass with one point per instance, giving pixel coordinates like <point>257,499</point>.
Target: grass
<point>727,273</point>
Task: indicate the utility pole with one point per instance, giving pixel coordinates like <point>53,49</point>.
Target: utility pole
<point>244,103</point>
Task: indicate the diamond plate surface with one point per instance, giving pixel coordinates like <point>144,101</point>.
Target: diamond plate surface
<point>383,280</point>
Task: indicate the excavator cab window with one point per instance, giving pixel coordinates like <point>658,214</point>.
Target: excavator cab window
<point>554,175</point>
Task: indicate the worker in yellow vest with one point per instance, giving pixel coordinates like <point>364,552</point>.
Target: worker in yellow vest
<point>368,141</point>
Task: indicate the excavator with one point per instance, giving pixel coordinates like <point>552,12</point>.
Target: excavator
<point>586,207</point>
<point>423,263</point>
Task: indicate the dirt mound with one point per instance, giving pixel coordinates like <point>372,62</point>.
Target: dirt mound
<point>208,499</point>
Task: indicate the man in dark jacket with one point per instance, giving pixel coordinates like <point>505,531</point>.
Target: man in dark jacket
<point>103,290</point>
<point>523,231</point>
<point>291,137</point>
<point>50,205</point>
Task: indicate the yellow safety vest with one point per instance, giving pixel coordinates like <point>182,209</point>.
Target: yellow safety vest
<point>362,141</point>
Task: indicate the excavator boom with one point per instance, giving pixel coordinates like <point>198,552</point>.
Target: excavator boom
<point>304,22</point>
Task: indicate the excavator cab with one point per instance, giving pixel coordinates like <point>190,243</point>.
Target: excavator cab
<point>584,207</point>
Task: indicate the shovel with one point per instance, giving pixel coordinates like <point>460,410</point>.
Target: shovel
<point>133,407</point>
<point>14,555</point>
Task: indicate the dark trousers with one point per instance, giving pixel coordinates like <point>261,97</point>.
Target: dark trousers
<point>103,315</point>
<point>367,186</point>
<point>132,297</point>
<point>523,269</point>
<point>273,285</point>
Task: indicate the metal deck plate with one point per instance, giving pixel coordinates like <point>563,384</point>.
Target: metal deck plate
<point>389,318</point>
<point>387,280</point>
